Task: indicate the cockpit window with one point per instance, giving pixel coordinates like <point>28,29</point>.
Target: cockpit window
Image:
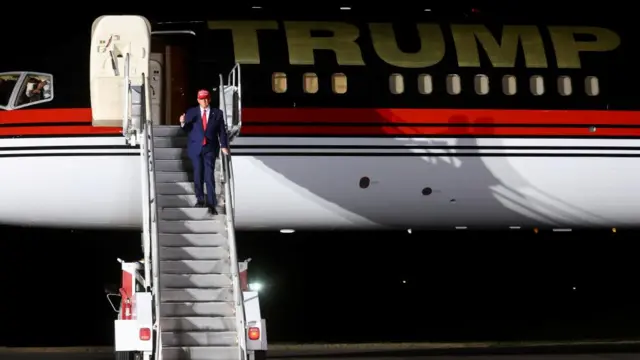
<point>7,84</point>
<point>37,88</point>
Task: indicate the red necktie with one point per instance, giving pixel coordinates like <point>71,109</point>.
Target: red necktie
<point>204,125</point>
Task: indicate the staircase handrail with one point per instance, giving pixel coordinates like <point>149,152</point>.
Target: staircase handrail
<point>155,245</point>
<point>145,182</point>
<point>234,79</point>
<point>150,214</point>
<point>229,194</point>
<point>227,179</point>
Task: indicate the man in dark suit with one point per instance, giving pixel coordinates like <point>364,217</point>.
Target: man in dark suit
<point>207,134</point>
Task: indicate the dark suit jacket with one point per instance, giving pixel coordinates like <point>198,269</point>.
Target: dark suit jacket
<point>216,132</point>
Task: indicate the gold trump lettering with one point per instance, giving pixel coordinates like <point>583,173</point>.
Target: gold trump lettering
<point>432,46</point>
<point>501,53</point>
<point>568,49</point>
<point>301,43</point>
<point>245,37</point>
<point>468,39</point>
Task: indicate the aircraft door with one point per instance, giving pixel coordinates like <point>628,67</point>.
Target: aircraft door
<point>155,88</point>
<point>114,39</point>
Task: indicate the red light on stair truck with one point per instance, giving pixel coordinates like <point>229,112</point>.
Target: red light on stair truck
<point>126,310</point>
<point>254,333</point>
<point>145,334</point>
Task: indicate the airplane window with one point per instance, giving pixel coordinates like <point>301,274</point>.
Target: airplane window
<point>396,84</point>
<point>453,84</point>
<point>310,83</point>
<point>7,83</point>
<point>36,88</point>
<point>279,82</point>
<point>481,84</point>
<point>592,86</point>
<point>509,85</point>
<point>425,84</point>
<point>536,85</point>
<point>564,85</point>
<point>339,83</point>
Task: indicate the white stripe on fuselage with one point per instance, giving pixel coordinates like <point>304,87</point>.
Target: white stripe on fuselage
<point>322,192</point>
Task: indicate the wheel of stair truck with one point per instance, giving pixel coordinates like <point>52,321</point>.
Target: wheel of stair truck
<point>257,355</point>
<point>128,355</point>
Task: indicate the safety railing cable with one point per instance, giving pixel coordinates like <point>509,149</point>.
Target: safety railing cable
<point>127,99</point>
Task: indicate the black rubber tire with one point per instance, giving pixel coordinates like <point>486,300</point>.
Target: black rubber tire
<point>126,355</point>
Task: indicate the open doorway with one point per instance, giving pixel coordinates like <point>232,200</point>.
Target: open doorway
<point>173,56</point>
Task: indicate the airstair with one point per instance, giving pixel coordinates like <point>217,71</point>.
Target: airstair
<point>185,300</point>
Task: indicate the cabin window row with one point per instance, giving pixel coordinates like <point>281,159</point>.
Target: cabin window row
<point>453,84</point>
<point>309,83</point>
<point>481,84</point>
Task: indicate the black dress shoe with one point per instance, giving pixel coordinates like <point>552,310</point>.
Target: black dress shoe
<point>200,204</point>
<point>213,211</point>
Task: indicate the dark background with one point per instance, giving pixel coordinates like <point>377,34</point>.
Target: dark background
<point>353,287</point>
<point>348,287</point>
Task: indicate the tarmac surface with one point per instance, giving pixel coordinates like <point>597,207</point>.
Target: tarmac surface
<point>627,350</point>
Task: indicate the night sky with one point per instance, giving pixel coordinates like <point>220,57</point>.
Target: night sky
<point>343,287</point>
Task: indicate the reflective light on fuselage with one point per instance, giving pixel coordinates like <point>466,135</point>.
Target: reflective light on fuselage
<point>256,7</point>
<point>514,227</point>
<point>287,231</point>
<point>345,7</point>
<point>562,230</point>
<point>461,228</point>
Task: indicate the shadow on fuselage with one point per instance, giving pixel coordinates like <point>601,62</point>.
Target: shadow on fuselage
<point>463,187</point>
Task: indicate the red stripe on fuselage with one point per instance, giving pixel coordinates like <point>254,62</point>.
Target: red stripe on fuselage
<point>404,131</point>
<point>439,116</point>
<point>37,116</point>
<point>73,130</point>
<point>363,122</point>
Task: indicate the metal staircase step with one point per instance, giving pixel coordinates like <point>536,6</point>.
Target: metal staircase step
<point>176,153</point>
<point>201,295</point>
<point>182,240</point>
<point>197,309</point>
<point>200,338</point>
<point>191,226</point>
<point>178,165</point>
<point>173,176</point>
<point>182,201</point>
<point>173,165</point>
<point>198,323</point>
<point>168,131</point>
<point>181,188</point>
<point>194,266</point>
<point>201,353</point>
<point>194,253</point>
<point>189,213</point>
<point>169,142</point>
<point>190,281</point>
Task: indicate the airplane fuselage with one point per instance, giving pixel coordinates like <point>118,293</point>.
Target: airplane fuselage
<point>349,125</point>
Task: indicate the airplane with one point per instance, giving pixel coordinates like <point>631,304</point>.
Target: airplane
<point>348,122</point>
